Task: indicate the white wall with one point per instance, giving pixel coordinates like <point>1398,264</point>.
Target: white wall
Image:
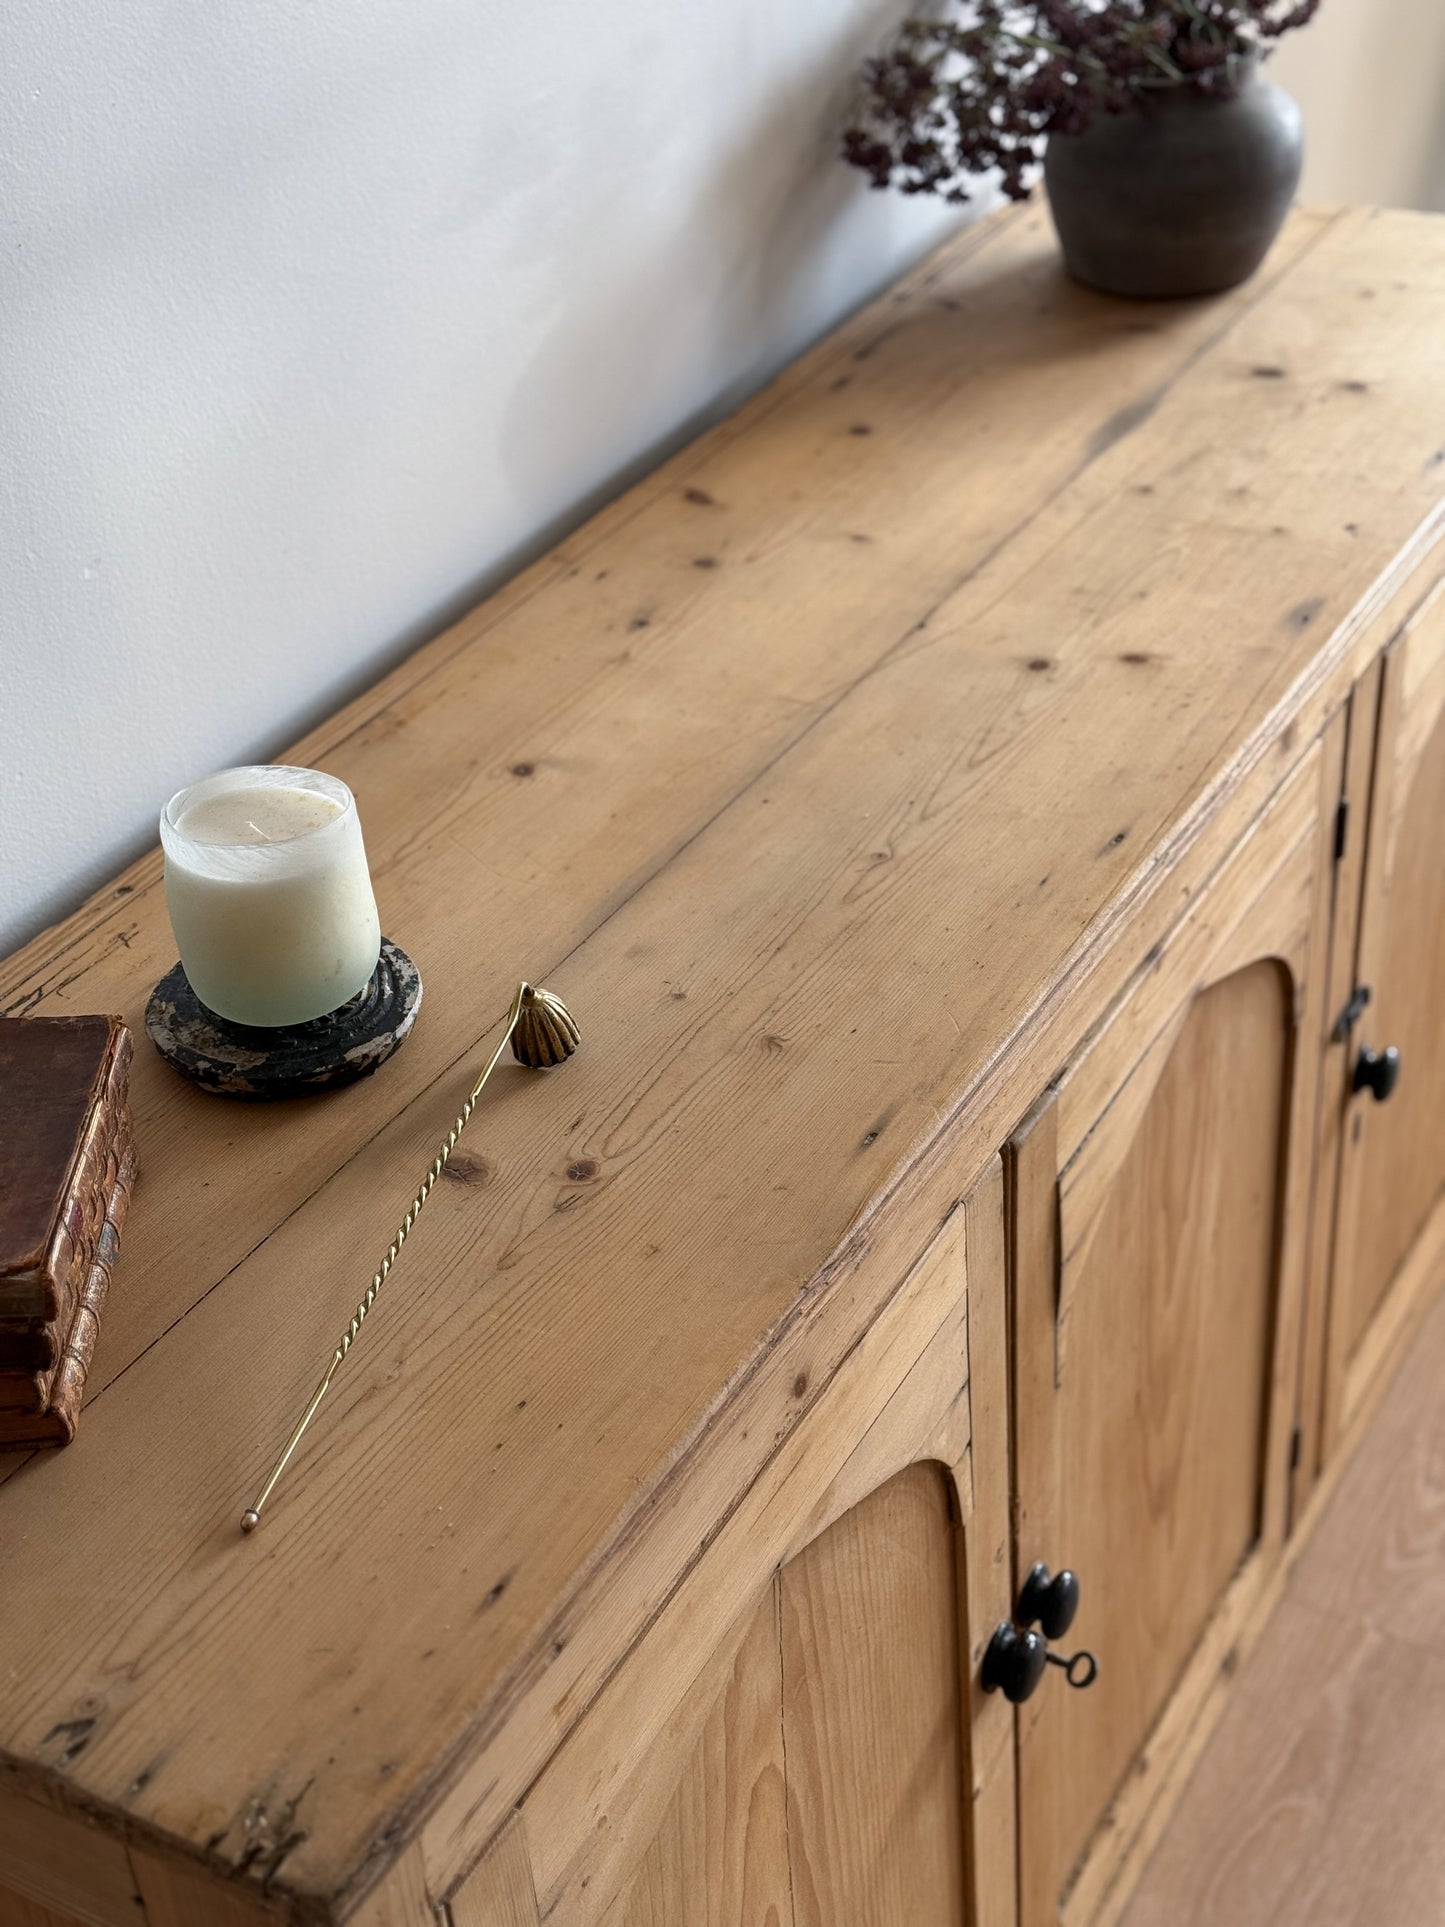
<point>1370,75</point>
<point>317,315</point>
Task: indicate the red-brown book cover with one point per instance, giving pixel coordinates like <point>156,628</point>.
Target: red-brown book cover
<point>64,1126</point>
<point>56,1424</point>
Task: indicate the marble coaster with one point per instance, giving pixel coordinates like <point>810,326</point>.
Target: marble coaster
<point>237,1060</point>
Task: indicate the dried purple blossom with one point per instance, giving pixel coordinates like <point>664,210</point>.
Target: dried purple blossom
<point>951,99</point>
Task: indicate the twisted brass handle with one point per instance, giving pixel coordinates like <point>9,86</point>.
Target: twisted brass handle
<point>541,1031</point>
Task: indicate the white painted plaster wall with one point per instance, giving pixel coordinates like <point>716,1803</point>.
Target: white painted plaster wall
<point>318,316</point>
<point>1371,77</point>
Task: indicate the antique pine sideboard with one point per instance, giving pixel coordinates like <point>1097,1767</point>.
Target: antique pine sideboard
<point>964,799</point>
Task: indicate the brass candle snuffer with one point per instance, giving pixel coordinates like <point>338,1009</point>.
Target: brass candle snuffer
<point>542,1032</point>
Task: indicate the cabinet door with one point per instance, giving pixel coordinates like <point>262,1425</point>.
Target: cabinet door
<point>826,1786</point>
<point>1391,1227</point>
<point>1157,1212</point>
<point>800,1740</point>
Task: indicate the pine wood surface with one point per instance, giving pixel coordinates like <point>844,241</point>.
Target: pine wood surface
<point>182,1893</point>
<point>818,773</point>
<point>1178,1296</point>
<point>991,1809</point>
<point>720,1852</point>
<point>606,1785</point>
<point>871,1703</point>
<point>1151,1411</point>
<point>79,1873</point>
<point>16,1912</point>
<point>815,1775</point>
<point>641,1818</point>
<point>1391,1165</point>
<point>402,1897</point>
<point>654,1830</point>
<point>499,1891</point>
<point>1357,722</point>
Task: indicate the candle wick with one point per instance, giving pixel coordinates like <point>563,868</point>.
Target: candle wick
<point>251,824</point>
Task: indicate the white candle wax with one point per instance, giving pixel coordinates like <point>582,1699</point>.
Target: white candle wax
<point>269,894</point>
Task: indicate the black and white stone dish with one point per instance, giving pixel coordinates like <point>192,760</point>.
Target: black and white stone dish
<point>296,1060</point>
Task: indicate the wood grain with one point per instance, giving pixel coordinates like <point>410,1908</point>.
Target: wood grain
<point>1157,1365</point>
<point>1162,1403</point>
<point>182,1893</point>
<point>642,1800</point>
<point>64,1863</point>
<point>499,1891</point>
<point>16,1911</point>
<point>927,1418</point>
<point>400,1898</point>
<point>1390,1509</point>
<point>833,893</point>
<point>1311,1806</point>
<point>871,1714</point>
<point>1128,1046</point>
<point>616,1764</point>
<point>1392,1165</point>
<point>623,1789</point>
<point>984,350</point>
<point>1156,1443</point>
<point>720,1855</point>
<point>1351,794</point>
<point>991,1809</point>
<point>1327,1826</point>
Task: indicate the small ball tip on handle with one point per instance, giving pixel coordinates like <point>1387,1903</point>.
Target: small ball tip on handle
<point>250,1520</point>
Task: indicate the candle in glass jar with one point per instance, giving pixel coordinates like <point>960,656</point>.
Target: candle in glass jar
<point>269,895</point>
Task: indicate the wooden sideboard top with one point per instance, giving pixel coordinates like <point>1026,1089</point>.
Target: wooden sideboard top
<point>816,773</point>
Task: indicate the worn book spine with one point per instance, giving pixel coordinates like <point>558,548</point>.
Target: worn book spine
<point>52,1298</point>
<point>49,1299</point>
<point>56,1424</point>
<point>106,1138</point>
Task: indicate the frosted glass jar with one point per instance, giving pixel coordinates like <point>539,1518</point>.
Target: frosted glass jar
<point>269,895</point>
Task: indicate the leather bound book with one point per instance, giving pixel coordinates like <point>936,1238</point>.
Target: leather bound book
<point>56,1424</point>
<point>28,1347</point>
<point>64,1128</point>
<point>24,1391</point>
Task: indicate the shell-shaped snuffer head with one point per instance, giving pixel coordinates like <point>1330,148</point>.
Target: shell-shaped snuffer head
<point>545,1032</point>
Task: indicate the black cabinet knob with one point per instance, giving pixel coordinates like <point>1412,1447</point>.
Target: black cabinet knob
<point>1049,1600</point>
<point>1377,1071</point>
<point>1014,1663</point>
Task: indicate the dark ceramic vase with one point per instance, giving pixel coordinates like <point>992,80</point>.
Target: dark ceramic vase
<point>1182,197</point>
